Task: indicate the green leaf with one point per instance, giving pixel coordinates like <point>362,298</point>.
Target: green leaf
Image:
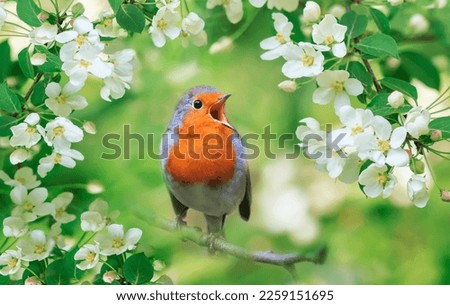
<point>378,45</point>
<point>5,60</point>
<point>115,5</point>
<point>38,95</point>
<point>422,68</point>
<point>358,71</point>
<point>77,9</point>
<point>379,106</point>
<point>131,18</point>
<point>356,24</point>
<point>28,11</point>
<point>138,269</point>
<point>9,100</point>
<point>6,122</point>
<point>56,273</point>
<point>400,85</point>
<point>25,63</point>
<point>53,62</point>
<point>381,21</point>
<point>442,124</point>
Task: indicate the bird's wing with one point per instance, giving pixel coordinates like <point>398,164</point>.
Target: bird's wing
<point>244,207</point>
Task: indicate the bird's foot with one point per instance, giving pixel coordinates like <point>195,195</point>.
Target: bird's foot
<point>180,222</point>
<point>211,239</point>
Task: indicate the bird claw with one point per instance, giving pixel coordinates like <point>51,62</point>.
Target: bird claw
<point>212,237</point>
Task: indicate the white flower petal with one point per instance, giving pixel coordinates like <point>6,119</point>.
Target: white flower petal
<point>353,87</point>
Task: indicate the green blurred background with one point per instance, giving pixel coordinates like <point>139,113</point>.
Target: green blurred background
<point>295,208</point>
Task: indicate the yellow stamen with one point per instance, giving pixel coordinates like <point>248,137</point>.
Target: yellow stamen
<point>162,24</point>
<point>61,99</point>
<point>30,130</point>
<point>338,86</point>
<point>12,262</point>
<point>357,130</point>
<point>280,38</point>
<point>329,40</point>
<point>58,131</point>
<point>39,248</point>
<point>90,257</point>
<point>381,179</point>
<point>307,60</point>
<point>28,206</point>
<point>80,40</point>
<point>117,243</point>
<point>57,159</point>
<point>85,63</point>
<point>383,145</point>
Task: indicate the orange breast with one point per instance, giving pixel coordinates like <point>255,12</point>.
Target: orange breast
<point>204,152</point>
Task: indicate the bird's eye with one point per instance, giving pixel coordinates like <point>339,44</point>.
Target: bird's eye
<point>197,104</point>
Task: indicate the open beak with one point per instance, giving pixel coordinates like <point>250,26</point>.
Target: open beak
<point>217,111</point>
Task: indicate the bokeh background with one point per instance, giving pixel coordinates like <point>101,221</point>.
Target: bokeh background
<point>295,209</point>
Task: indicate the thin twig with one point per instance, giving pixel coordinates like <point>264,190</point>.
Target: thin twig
<point>30,91</point>
<point>286,260</point>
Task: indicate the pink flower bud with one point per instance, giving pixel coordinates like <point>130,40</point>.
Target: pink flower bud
<point>43,16</point>
<point>445,195</point>
<point>436,135</point>
<point>32,281</point>
<point>110,276</point>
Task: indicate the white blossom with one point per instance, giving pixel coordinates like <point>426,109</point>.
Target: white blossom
<point>60,203</point>
<point>383,147</point>
<point>61,132</point>
<point>19,155</point>
<point>330,33</point>
<point>116,84</point>
<point>105,27</point>
<point>168,4</point>
<point>193,26</point>
<point>89,254</point>
<point>417,120</point>
<point>14,227</point>
<point>287,5</point>
<point>65,157</point>
<point>396,99</point>
<point>303,60</point>
<point>165,23</point>
<point>276,45</point>
<point>336,86</point>
<point>11,260</point>
<point>311,12</point>
<point>92,221</point>
<point>223,44</point>
<point>31,205</point>
<point>44,34</point>
<point>357,121</point>
<point>27,133</point>
<point>233,8</point>
<point>35,246</point>
<point>115,241</point>
<point>417,190</point>
<point>23,176</point>
<point>377,181</point>
<point>63,101</point>
<point>81,38</point>
<point>418,24</point>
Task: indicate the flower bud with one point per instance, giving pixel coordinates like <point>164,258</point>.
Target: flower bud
<point>288,86</point>
<point>43,16</point>
<point>396,99</point>
<point>110,276</point>
<point>221,45</point>
<point>436,135</point>
<point>4,142</point>
<point>95,187</point>
<point>418,24</point>
<point>77,9</point>
<point>416,166</point>
<point>32,280</point>
<point>395,2</point>
<point>90,127</point>
<point>311,12</point>
<point>38,59</point>
<point>337,11</point>
<point>445,195</point>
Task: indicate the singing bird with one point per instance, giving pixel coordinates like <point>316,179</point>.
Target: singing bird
<point>203,160</point>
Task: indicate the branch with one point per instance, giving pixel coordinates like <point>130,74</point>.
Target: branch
<point>286,260</point>
<point>369,68</point>
<point>30,91</point>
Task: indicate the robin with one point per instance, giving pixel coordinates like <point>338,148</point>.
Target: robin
<point>203,160</point>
